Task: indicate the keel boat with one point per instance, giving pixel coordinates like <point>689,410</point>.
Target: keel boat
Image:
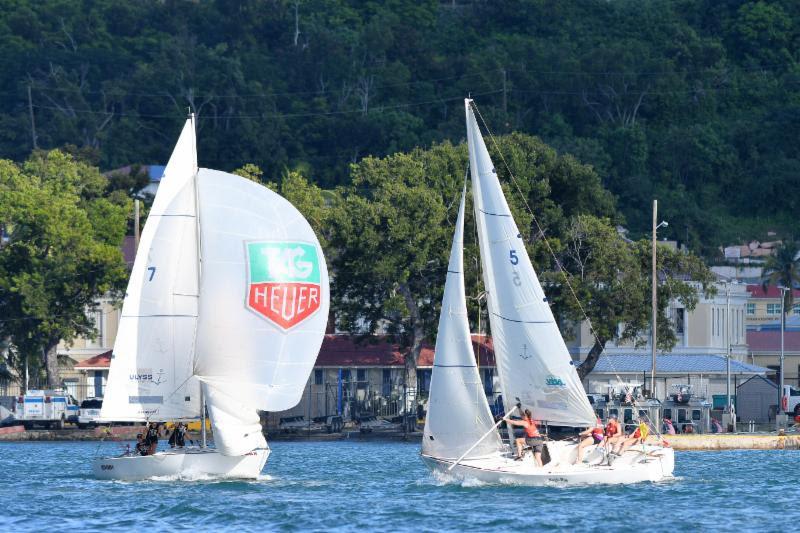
<point>224,314</point>
<point>460,438</point>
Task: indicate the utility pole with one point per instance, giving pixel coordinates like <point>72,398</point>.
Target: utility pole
<point>653,303</point>
<point>653,299</point>
<point>33,124</point>
<point>505,99</point>
<point>780,420</point>
<point>136,224</point>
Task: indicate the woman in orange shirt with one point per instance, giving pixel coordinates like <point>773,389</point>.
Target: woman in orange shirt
<point>532,437</point>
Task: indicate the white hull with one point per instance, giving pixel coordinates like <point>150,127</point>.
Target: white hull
<point>188,463</point>
<point>653,463</point>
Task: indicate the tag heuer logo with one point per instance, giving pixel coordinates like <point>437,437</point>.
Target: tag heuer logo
<point>284,281</point>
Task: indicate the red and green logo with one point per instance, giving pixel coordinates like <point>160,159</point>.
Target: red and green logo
<point>284,281</point>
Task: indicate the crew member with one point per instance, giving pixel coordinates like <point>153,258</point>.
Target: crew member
<point>592,435</point>
<point>532,437</point>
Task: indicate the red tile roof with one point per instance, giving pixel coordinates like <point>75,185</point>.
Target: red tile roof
<point>770,341</point>
<point>756,291</point>
<point>381,351</point>
<point>102,360</point>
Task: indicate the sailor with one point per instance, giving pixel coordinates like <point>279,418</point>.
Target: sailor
<point>592,435</point>
<point>178,436</point>
<point>532,437</point>
<point>141,447</point>
<point>151,438</point>
<point>613,431</point>
<point>637,436</point>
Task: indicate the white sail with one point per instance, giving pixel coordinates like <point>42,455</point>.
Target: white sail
<point>458,413</point>
<point>533,363</point>
<point>151,367</point>
<point>263,309</point>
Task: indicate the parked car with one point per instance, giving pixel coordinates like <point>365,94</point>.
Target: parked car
<point>89,412</point>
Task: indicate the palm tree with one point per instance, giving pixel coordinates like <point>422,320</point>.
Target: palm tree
<point>783,270</point>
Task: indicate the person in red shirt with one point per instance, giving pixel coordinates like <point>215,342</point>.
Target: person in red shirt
<point>532,437</point>
<point>592,435</point>
<point>613,431</point>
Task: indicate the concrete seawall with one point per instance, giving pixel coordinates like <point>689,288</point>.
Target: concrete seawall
<point>734,441</point>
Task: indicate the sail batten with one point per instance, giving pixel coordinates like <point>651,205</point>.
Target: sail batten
<point>533,363</point>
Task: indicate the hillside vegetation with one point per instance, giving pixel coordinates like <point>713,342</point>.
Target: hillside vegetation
<point>695,102</point>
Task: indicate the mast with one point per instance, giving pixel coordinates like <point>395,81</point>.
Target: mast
<point>199,269</point>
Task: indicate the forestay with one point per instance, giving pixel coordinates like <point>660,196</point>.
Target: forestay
<point>533,363</point>
<point>263,309</point>
<point>151,366</point>
<point>458,414</point>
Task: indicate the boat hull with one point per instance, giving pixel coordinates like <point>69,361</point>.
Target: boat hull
<point>188,463</point>
<point>653,463</point>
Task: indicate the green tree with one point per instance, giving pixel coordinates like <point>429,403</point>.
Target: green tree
<point>62,252</point>
<point>783,270</point>
<point>611,280</point>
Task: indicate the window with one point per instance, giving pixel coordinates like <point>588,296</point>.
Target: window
<point>679,321</point>
<point>796,309</point>
<point>488,381</point>
<point>773,309</point>
<point>345,374</point>
<point>318,377</point>
<point>751,309</point>
<point>387,382</point>
<point>361,378</point>
<point>423,380</point>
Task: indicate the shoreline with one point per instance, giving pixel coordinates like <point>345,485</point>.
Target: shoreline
<point>700,442</point>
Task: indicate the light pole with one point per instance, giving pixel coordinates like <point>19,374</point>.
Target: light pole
<point>780,379</point>
<point>653,300</point>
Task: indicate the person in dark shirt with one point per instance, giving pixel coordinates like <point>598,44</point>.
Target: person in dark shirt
<point>141,447</point>
<point>151,438</point>
<point>178,436</point>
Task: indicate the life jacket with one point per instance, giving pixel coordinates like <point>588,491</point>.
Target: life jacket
<point>612,428</point>
<point>597,433</point>
<point>531,430</point>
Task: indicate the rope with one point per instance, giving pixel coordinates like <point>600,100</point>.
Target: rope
<point>561,269</point>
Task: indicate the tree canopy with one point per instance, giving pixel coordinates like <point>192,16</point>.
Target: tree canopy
<point>60,252</point>
<point>693,102</point>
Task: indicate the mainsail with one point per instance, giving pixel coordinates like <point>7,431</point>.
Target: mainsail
<point>263,306</point>
<point>533,363</point>
<point>458,414</point>
<point>151,366</point>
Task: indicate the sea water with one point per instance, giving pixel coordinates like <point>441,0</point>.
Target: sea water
<point>351,485</point>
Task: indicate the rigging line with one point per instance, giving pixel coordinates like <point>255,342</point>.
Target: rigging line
<point>711,70</point>
<point>373,109</point>
<point>550,249</point>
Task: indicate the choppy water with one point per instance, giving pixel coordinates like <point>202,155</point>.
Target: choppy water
<point>384,486</point>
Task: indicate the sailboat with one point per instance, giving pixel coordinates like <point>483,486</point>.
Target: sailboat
<point>535,369</point>
<point>224,314</point>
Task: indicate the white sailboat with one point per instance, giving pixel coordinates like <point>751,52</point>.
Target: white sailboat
<point>533,364</point>
<point>225,309</point>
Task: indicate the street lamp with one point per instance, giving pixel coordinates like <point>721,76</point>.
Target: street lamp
<point>653,299</point>
<point>780,380</point>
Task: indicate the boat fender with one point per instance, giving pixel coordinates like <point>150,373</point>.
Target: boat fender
<point>784,403</point>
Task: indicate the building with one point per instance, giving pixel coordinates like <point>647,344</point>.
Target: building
<point>357,376</point>
<point>764,307</point>
<point>765,350</point>
<point>705,373</point>
<point>716,325</point>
